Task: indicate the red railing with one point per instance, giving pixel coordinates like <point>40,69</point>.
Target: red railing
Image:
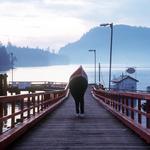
<point>20,112</point>
<point>127,106</point>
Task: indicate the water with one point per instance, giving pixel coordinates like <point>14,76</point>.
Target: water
<point>62,73</point>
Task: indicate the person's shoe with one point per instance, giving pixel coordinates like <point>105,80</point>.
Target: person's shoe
<point>82,115</point>
<point>77,115</point>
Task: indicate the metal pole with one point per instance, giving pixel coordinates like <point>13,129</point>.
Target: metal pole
<point>95,64</point>
<point>99,73</point>
<point>110,63</point>
<point>93,50</point>
<point>12,63</point>
<point>111,41</point>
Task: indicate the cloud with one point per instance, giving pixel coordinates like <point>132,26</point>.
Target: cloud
<point>57,22</point>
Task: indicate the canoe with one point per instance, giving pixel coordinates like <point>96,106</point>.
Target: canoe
<point>78,83</point>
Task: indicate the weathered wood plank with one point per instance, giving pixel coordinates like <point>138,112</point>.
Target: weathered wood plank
<point>97,130</point>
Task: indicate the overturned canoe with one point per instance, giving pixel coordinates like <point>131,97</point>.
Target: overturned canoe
<point>78,83</point>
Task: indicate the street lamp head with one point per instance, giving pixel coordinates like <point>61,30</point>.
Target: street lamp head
<point>106,24</point>
<point>92,50</point>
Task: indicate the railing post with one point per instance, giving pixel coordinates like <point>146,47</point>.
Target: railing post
<point>22,107</point>
<point>33,101</point>
<point>107,101</point>
<point>122,105</point>
<point>116,104</point>
<point>139,109</point>
<point>48,98</point>
<point>127,105</point>
<point>132,106</point>
<point>148,113</point>
<point>45,99</point>
<point>13,117</point>
<point>113,102</point>
<point>1,116</point>
<point>119,107</point>
<point>38,102</point>
<point>42,102</point>
<point>28,106</point>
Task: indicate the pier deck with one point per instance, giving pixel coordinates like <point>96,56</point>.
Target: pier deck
<point>63,130</point>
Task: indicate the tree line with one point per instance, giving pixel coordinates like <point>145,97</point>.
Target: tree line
<point>28,57</point>
<point>5,58</point>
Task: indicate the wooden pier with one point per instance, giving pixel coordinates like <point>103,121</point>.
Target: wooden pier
<point>34,86</point>
<point>62,130</point>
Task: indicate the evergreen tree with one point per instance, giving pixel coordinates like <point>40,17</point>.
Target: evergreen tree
<point>5,62</point>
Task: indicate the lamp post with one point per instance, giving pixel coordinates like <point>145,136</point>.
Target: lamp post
<point>99,73</point>
<point>12,65</point>
<point>111,41</point>
<point>93,50</point>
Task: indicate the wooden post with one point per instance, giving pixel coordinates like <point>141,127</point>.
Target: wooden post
<point>33,101</point>
<point>42,101</point>
<point>113,102</point>
<point>139,109</point>
<point>116,100</point>
<point>119,107</point>
<point>28,106</point>
<point>45,98</point>
<point>122,105</point>
<point>132,106</point>
<point>22,107</point>
<point>38,102</point>
<point>148,112</point>
<point>3,84</point>
<point>12,112</point>
<point>1,116</point>
<point>127,105</point>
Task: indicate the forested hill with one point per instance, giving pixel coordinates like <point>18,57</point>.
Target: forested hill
<point>5,62</point>
<point>28,57</point>
<point>131,46</point>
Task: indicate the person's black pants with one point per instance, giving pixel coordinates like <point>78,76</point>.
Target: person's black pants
<point>79,106</point>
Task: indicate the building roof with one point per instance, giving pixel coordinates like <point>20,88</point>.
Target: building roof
<point>123,77</point>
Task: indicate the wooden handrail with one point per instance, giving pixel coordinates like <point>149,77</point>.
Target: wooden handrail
<point>29,105</point>
<point>31,109</point>
<point>122,105</point>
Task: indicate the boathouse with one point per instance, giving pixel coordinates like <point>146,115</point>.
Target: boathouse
<point>124,82</point>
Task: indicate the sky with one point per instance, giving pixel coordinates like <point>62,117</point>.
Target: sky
<point>55,23</point>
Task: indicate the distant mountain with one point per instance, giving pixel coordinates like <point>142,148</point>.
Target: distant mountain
<point>131,45</point>
<point>29,57</point>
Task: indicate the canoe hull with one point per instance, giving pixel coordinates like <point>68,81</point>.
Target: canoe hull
<point>78,83</point>
<point>78,87</point>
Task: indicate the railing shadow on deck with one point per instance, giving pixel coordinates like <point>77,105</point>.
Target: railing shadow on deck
<point>25,111</point>
<point>122,105</point>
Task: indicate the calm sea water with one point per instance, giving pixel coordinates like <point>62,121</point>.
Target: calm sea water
<point>62,73</point>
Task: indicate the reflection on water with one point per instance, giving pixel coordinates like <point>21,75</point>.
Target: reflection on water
<point>8,111</point>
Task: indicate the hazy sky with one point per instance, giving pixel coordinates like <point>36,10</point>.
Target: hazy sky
<point>54,23</point>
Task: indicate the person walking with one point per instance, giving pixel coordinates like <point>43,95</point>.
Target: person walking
<point>78,84</point>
